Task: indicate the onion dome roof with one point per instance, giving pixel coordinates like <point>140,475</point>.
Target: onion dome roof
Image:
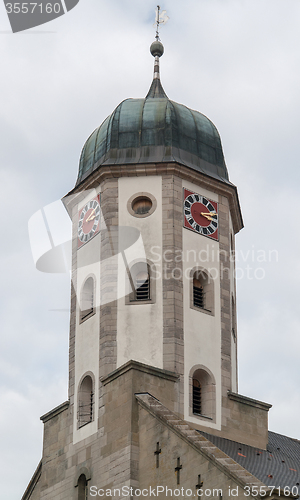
<point>154,130</point>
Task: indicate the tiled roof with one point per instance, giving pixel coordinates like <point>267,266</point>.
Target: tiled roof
<point>279,465</point>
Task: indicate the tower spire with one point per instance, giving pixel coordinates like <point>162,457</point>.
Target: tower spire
<point>157,50</point>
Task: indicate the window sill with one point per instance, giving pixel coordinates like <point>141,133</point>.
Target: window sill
<point>201,309</point>
<point>136,302</point>
<point>85,318</point>
<point>83,425</point>
<point>201,416</point>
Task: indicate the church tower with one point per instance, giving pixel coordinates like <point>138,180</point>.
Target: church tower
<point>154,220</point>
<point>153,303</point>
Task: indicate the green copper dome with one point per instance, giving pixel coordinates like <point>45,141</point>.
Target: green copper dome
<point>154,130</point>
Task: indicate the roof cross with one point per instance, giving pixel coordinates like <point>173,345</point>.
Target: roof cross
<point>199,486</point>
<point>157,452</point>
<point>178,469</point>
<point>160,18</point>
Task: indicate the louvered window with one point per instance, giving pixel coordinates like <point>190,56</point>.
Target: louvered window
<point>142,286</point>
<point>196,397</point>
<point>198,294</point>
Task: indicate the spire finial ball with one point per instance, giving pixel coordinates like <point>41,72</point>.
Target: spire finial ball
<point>157,48</point>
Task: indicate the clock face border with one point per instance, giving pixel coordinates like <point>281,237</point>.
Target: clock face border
<point>214,235</point>
<point>84,209</point>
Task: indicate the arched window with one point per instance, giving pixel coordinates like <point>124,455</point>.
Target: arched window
<point>202,291</point>
<point>85,401</point>
<point>87,299</point>
<point>140,285</point>
<point>82,488</point>
<point>203,393</point>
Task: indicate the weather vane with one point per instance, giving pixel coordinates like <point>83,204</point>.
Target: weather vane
<point>160,18</point>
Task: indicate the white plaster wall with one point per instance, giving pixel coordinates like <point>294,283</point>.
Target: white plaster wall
<point>140,326</point>
<point>234,375</point>
<point>202,332</point>
<point>87,333</point>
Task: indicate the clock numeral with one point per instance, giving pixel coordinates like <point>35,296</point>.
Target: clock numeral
<point>205,201</point>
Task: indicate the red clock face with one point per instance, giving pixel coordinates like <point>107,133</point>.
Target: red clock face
<point>88,221</point>
<point>200,214</point>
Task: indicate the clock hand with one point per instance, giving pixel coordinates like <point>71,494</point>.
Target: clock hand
<point>89,217</point>
<point>208,215</point>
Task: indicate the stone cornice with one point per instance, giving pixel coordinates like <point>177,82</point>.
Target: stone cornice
<point>248,401</point>
<point>135,365</point>
<point>186,173</point>
<point>56,411</point>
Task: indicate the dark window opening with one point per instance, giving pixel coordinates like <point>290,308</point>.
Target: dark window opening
<point>142,286</point>
<point>85,402</point>
<point>233,320</point>
<point>198,294</point>
<point>196,397</point>
<point>82,488</point>
<point>142,205</point>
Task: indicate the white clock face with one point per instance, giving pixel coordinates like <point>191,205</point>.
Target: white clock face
<point>89,218</point>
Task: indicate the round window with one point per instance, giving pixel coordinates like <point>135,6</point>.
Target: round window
<point>141,205</point>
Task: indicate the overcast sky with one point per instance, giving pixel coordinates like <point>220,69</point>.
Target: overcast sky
<point>236,61</point>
